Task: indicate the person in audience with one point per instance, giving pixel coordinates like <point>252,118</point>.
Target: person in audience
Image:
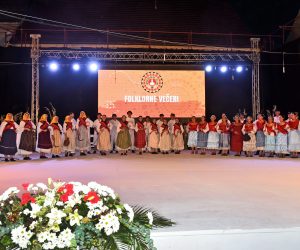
<point>213,136</point>
<point>171,123</point>
<point>83,126</point>
<point>27,137</point>
<point>223,128</point>
<point>249,145</point>
<point>113,125</point>
<point>131,126</point>
<point>153,136</point>
<point>96,125</point>
<point>103,129</point>
<point>44,143</point>
<point>69,136</point>
<point>123,142</point>
<point>202,135</point>
<point>165,139</point>
<point>8,137</point>
<point>282,129</point>
<point>270,136</point>
<point>56,136</point>
<point>236,142</point>
<point>294,135</point>
<point>140,136</point>
<point>192,130</point>
<point>177,132</point>
<point>260,135</point>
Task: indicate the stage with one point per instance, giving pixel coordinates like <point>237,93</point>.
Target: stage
<point>200,193</point>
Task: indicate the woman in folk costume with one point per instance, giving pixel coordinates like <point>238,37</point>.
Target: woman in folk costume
<point>8,137</point>
<point>165,140</point>
<point>202,135</point>
<point>113,125</point>
<point>171,123</point>
<point>123,139</point>
<point>44,145</point>
<point>56,135</point>
<point>192,130</point>
<point>153,136</point>
<point>270,136</point>
<point>213,136</point>
<point>96,125</point>
<point>83,125</point>
<point>236,142</point>
<point>223,128</point>
<point>282,129</point>
<point>177,131</point>
<point>131,126</point>
<point>147,124</point>
<point>249,128</point>
<point>294,135</point>
<point>68,129</point>
<point>260,135</point>
<point>103,130</point>
<point>27,140</point>
<point>140,136</point>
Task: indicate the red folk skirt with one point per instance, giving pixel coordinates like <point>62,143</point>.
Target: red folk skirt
<point>236,141</point>
<point>140,139</point>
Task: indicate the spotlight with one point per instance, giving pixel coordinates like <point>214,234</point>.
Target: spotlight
<point>208,68</point>
<point>76,67</point>
<point>223,69</point>
<point>53,66</point>
<point>239,69</point>
<point>93,66</point>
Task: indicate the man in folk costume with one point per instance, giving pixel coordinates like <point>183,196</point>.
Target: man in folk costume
<point>213,136</point>
<point>260,136</point>
<point>153,136</point>
<point>123,139</point>
<point>270,136</point>
<point>236,142</point>
<point>171,123</point>
<point>69,129</point>
<point>83,141</point>
<point>249,128</point>
<point>177,131</point>
<point>223,128</point>
<point>8,137</point>
<point>140,138</point>
<point>147,123</point>
<point>282,130</point>
<point>192,130</point>
<point>202,135</point>
<point>56,136</point>
<point>160,121</point>
<point>103,130</point>
<point>294,135</point>
<point>44,145</point>
<point>113,124</point>
<point>27,137</point>
<point>165,140</point>
<point>96,125</point>
<point>131,125</point>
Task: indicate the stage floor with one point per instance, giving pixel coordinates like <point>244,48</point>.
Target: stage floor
<point>198,192</point>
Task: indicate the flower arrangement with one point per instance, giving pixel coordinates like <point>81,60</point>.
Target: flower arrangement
<point>73,216</point>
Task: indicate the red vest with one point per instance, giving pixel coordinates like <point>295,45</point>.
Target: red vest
<point>212,126</point>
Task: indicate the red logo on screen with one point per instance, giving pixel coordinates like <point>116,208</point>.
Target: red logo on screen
<point>152,82</point>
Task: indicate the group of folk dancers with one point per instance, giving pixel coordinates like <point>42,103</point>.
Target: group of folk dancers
<point>274,135</point>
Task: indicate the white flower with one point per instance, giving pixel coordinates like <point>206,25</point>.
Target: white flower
<point>73,200</point>
<point>35,209</point>
<point>150,217</point>
<point>75,218</point>
<point>8,192</point>
<point>109,223</point>
<point>55,216</point>
<point>50,198</point>
<point>119,210</point>
<point>102,190</point>
<point>65,238</point>
<point>42,186</point>
<point>130,212</point>
<point>0,223</point>
<point>32,225</point>
<point>21,236</point>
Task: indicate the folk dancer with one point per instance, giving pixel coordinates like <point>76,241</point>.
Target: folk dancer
<point>249,146</point>
<point>282,130</point>
<point>103,130</point>
<point>213,136</point>
<point>70,137</point>
<point>165,140</point>
<point>223,128</point>
<point>294,135</point>
<point>123,142</point>
<point>236,142</point>
<point>171,123</point>
<point>140,138</point>
<point>83,133</point>
<point>177,132</point>
<point>260,135</point>
<point>96,125</point>
<point>202,135</point>
<point>131,125</point>
<point>44,145</point>
<point>192,130</point>
<point>153,136</point>
<point>113,124</point>
<point>56,136</point>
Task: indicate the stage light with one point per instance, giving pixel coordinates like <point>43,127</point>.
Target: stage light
<point>93,66</point>
<point>53,66</point>
<point>76,67</point>
<point>239,69</point>
<point>208,68</point>
<point>223,69</point>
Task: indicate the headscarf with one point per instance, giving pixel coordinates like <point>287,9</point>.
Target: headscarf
<point>54,119</point>
<point>26,116</point>
<point>68,119</point>
<point>44,118</point>
<point>82,114</point>
<point>9,117</point>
